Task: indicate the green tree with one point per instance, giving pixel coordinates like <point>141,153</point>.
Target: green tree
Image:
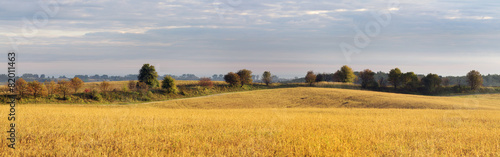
<point>35,87</point>
<point>266,77</point>
<point>168,84</point>
<point>368,79</point>
<point>431,83</point>
<point>410,81</point>
<point>232,78</point>
<point>395,77</point>
<point>148,75</point>
<point>474,79</point>
<point>76,83</point>
<point>245,76</point>
<point>346,74</point>
<point>337,76</point>
<point>310,77</point>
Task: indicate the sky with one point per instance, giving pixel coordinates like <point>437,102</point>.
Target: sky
<point>288,38</point>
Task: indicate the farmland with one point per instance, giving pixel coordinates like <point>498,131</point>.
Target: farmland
<point>273,122</point>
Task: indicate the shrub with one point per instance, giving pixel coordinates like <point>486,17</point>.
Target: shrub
<point>142,87</point>
<point>206,82</point>
<point>148,75</point>
<point>168,84</point>
<point>76,83</point>
<point>266,77</point>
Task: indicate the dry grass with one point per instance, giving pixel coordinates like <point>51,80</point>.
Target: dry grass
<point>304,97</point>
<point>258,123</point>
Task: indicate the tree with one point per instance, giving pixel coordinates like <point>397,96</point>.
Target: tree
<point>321,77</point>
<point>346,74</point>
<point>21,87</point>
<point>395,77</point>
<point>104,86</point>
<point>232,78</point>
<point>35,88</point>
<point>51,87</point>
<point>63,87</point>
<point>131,85</point>
<point>245,76</point>
<point>431,82</point>
<point>206,82</point>
<point>367,79</point>
<point>310,77</point>
<point>474,79</point>
<point>410,81</point>
<point>76,83</point>
<point>168,84</point>
<point>148,75</point>
<point>266,77</point>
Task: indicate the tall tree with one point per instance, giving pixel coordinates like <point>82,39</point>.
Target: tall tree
<point>131,85</point>
<point>232,78</point>
<point>367,78</point>
<point>266,77</point>
<point>35,88</point>
<point>76,83</point>
<point>347,75</point>
<point>148,75</point>
<point>431,82</point>
<point>310,77</point>
<point>395,77</point>
<point>21,87</point>
<point>474,79</point>
<point>63,87</point>
<point>245,76</point>
<point>168,84</point>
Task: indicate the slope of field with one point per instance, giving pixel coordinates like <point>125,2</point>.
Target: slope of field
<point>304,97</point>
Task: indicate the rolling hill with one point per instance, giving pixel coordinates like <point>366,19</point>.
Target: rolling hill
<point>304,97</point>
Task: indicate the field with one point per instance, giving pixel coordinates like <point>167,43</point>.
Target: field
<point>274,122</point>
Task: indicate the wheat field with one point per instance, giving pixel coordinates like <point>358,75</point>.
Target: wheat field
<point>259,123</point>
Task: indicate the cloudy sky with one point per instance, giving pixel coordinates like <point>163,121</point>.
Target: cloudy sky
<point>204,37</point>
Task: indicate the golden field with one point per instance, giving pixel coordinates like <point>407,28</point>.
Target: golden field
<point>277,122</point>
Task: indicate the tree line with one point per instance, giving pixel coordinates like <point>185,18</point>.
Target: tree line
<point>407,82</point>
